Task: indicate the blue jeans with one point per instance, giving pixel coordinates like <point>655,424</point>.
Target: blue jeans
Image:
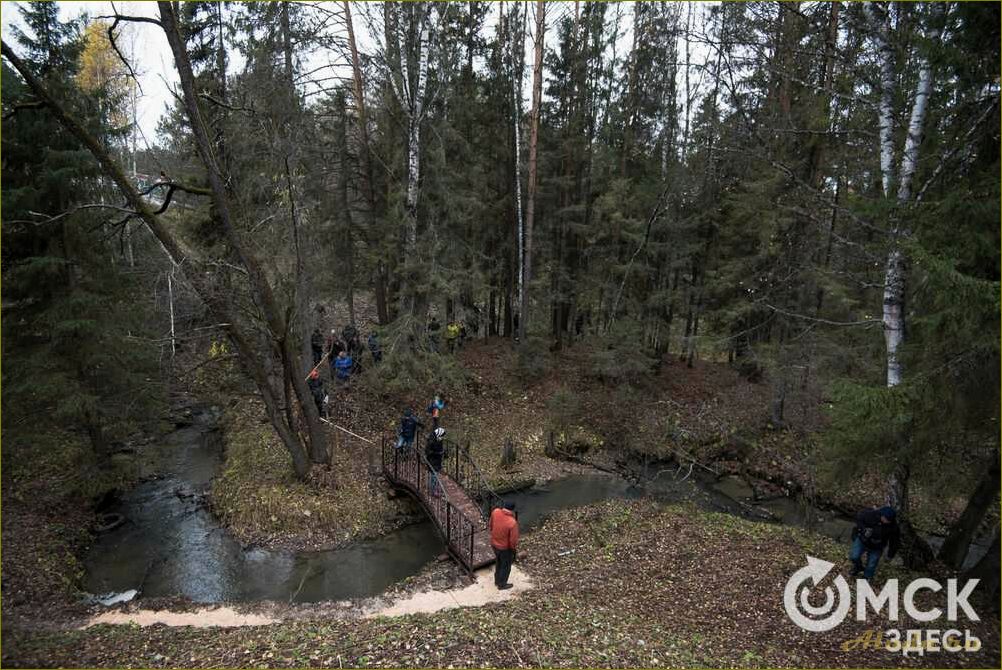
<point>872,558</point>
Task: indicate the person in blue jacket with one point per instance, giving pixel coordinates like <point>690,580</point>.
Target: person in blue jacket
<point>875,529</point>
<point>342,368</point>
<point>435,409</point>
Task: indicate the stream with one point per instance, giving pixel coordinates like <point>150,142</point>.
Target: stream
<point>172,545</point>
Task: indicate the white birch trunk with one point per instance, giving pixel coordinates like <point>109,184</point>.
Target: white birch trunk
<point>414,139</point>
<point>916,125</point>
<point>881,31</point>
<point>896,269</point>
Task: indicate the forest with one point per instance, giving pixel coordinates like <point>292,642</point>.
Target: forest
<point>691,288</point>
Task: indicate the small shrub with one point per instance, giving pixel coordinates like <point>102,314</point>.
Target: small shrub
<point>620,356</point>
<point>409,364</point>
<point>534,359</point>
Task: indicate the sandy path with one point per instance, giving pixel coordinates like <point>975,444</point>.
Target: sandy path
<point>224,617</point>
<point>481,592</point>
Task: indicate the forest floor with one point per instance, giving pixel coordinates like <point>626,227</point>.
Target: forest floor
<point>615,584</point>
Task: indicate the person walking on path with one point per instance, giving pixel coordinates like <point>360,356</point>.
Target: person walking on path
<point>435,409</point>
<point>317,345</point>
<point>433,328</point>
<point>375,348</point>
<point>875,529</point>
<point>503,526</point>
<point>452,336</point>
<point>342,368</point>
<point>334,347</point>
<point>408,430</point>
<point>316,385</point>
<point>352,343</point>
<point>434,451</point>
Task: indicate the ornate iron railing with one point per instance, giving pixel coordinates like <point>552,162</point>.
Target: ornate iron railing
<point>408,468</point>
<point>468,475</point>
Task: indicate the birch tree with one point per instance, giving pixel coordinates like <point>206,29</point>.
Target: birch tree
<point>408,42</point>
<point>896,266</point>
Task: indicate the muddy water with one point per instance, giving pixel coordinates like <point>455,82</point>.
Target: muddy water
<point>172,545</point>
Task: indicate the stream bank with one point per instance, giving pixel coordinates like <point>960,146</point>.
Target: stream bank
<point>173,548</point>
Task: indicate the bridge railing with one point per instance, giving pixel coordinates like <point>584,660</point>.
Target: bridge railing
<point>468,475</point>
<point>409,469</point>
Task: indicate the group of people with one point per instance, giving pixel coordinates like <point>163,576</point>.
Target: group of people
<point>455,335</point>
<point>434,444</point>
<point>344,354</point>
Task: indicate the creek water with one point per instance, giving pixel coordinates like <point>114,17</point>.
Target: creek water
<point>172,544</point>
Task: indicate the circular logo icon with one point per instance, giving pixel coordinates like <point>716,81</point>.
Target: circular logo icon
<point>796,597</point>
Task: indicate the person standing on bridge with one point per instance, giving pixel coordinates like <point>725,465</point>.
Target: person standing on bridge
<point>435,409</point>
<point>503,526</point>
<point>434,451</point>
<point>317,345</point>
<point>408,431</point>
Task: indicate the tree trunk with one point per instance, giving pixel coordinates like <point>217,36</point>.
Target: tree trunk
<point>415,114</point>
<point>344,206</point>
<point>896,268</point>
<point>955,547</point>
<point>537,91</point>
<point>915,551</point>
<point>987,570</point>
<point>517,75</point>
<point>286,28</point>
<point>261,290</point>
<point>881,24</point>
<point>358,92</point>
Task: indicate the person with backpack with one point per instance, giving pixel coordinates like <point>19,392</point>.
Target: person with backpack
<point>503,526</point>
<point>316,385</point>
<point>317,345</point>
<point>435,409</point>
<point>434,452</point>
<point>407,431</point>
<point>875,529</point>
<point>375,348</point>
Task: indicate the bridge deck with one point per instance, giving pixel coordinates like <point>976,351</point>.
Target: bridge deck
<point>456,514</point>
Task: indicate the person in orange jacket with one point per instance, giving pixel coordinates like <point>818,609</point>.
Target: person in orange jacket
<point>503,526</point>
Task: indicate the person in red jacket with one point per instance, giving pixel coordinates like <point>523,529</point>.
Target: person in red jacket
<point>503,526</point>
